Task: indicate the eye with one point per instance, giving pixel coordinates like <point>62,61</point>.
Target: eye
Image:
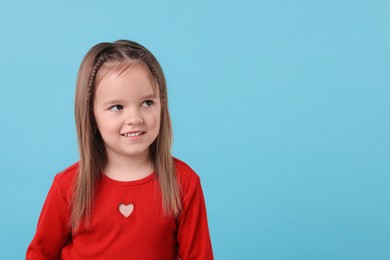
<point>147,103</point>
<point>116,108</point>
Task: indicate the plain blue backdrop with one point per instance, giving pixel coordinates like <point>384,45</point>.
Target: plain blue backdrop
<point>282,108</point>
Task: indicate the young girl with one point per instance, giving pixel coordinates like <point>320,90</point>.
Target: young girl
<point>127,197</point>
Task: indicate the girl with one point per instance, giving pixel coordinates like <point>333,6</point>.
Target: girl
<point>127,197</point>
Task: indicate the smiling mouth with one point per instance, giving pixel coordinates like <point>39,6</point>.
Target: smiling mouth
<point>134,134</point>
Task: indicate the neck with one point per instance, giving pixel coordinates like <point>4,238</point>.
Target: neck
<point>128,168</point>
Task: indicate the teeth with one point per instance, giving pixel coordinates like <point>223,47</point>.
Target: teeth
<point>132,134</point>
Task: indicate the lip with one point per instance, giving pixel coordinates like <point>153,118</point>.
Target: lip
<point>127,134</point>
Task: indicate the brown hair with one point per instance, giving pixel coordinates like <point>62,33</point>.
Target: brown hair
<point>91,146</point>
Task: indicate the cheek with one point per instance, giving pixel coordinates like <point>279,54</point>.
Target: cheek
<point>154,121</point>
<point>105,124</point>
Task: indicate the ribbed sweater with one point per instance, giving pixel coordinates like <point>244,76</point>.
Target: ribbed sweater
<point>145,234</point>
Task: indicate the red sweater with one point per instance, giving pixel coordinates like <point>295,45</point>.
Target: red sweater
<point>144,234</point>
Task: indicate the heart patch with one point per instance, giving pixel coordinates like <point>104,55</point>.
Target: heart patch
<point>126,210</point>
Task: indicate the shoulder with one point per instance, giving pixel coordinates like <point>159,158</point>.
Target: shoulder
<point>184,171</point>
<point>64,180</point>
<point>68,175</point>
<point>187,177</point>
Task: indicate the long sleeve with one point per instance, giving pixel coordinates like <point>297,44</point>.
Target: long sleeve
<point>53,226</point>
<point>193,233</point>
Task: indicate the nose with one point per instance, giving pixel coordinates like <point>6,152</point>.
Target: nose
<point>133,117</point>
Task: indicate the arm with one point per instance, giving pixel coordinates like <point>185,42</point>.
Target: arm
<point>193,234</point>
<point>53,227</point>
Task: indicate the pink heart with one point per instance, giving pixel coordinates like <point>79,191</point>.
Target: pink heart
<point>126,210</point>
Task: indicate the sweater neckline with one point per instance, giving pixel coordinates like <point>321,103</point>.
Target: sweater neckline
<point>143,180</point>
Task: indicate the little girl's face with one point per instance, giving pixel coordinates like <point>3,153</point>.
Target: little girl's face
<point>127,110</point>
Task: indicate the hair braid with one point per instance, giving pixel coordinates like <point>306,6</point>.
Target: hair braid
<point>91,89</point>
<point>145,59</point>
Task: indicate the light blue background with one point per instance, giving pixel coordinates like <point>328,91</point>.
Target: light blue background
<point>282,107</point>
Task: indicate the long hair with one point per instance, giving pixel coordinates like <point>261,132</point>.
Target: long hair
<point>91,147</point>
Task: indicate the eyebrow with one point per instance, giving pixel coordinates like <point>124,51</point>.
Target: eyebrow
<point>114,101</point>
<point>119,101</point>
<point>150,96</point>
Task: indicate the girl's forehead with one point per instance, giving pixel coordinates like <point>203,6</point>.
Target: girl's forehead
<point>116,69</point>
<point>113,79</point>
